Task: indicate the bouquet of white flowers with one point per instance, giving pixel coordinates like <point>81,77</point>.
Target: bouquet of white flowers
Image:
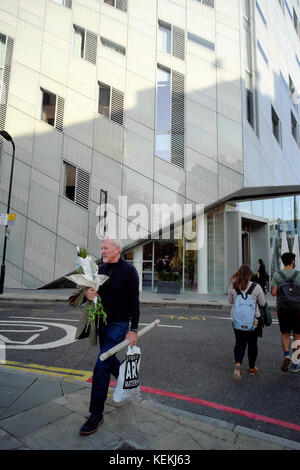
<point>87,276</point>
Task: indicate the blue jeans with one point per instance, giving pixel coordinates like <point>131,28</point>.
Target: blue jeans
<point>109,335</point>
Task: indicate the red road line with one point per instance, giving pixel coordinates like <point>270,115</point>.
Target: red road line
<point>217,406</point>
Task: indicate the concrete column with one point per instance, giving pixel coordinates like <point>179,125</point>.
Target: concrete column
<point>202,254</point>
<point>138,263</point>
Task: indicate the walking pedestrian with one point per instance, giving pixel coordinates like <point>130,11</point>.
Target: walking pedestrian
<point>288,316</point>
<point>262,275</point>
<point>245,296</point>
<point>120,300</point>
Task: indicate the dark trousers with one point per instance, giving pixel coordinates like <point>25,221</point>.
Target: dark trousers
<point>109,335</point>
<point>242,340</point>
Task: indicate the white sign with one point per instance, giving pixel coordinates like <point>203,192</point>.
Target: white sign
<point>3,219</point>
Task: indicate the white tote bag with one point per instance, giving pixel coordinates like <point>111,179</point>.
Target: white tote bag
<point>127,387</point>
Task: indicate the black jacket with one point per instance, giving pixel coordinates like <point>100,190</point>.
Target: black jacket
<point>120,293</point>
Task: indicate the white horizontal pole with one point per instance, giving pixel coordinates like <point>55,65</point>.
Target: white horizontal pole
<point>124,343</point>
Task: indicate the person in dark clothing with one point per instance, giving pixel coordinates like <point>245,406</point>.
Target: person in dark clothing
<point>262,275</point>
<point>120,299</point>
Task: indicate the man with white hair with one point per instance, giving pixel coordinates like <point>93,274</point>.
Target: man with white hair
<point>120,300</point>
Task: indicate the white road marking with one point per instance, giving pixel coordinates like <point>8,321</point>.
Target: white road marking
<point>67,339</point>
<point>10,341</point>
<point>43,318</point>
<point>167,326</point>
<point>37,327</point>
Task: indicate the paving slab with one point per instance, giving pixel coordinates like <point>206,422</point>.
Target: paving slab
<point>11,378</point>
<point>33,419</point>
<point>70,387</point>
<point>64,435</point>
<point>244,442</point>
<point>40,391</point>
<point>8,442</point>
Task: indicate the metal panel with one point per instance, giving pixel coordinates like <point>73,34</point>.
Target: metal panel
<point>68,3</point>
<point>5,86</point>
<point>90,52</point>
<point>122,5</point>
<point>178,46</point>
<point>82,188</point>
<point>209,3</point>
<point>117,105</point>
<point>177,127</point>
<point>59,122</point>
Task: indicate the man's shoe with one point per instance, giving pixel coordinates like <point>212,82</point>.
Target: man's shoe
<point>285,364</point>
<point>92,425</point>
<point>295,367</point>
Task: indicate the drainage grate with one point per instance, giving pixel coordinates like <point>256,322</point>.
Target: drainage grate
<point>126,446</point>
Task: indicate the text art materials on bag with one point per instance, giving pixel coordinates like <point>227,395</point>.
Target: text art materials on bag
<point>127,386</point>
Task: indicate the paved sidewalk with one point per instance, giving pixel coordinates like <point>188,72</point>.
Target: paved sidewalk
<point>188,299</point>
<point>45,413</point>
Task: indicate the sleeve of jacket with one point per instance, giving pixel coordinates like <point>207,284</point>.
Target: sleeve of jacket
<point>78,297</point>
<point>134,298</point>
<point>230,295</point>
<point>261,297</point>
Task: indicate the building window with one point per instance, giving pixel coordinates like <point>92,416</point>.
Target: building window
<point>294,128</point>
<point>2,55</point>
<point>163,114</point>
<point>291,87</point>
<point>111,103</point>
<point>248,67</point>
<point>84,44</point>
<point>48,107</point>
<point>69,181</point>
<point>201,41</point>
<point>262,52</point>
<point>208,3</point>
<point>250,101</point>
<point>119,4</point>
<point>64,3</point>
<point>296,22</point>
<point>79,41</point>
<point>76,185</point>
<point>112,45</point>
<point>170,116</point>
<point>52,109</point>
<point>164,37</point>
<point>276,125</point>
<point>104,100</point>
<point>171,39</point>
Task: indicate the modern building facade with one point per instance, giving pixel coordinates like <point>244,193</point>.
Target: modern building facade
<point>161,101</point>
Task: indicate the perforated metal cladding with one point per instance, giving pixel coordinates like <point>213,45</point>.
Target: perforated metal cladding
<point>177,127</point>
<point>82,188</point>
<point>90,52</point>
<point>117,105</point>
<point>59,122</point>
<point>121,5</point>
<point>178,47</point>
<point>208,3</point>
<point>68,3</point>
<point>5,87</point>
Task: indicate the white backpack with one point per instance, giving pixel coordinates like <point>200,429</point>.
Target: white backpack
<point>244,310</point>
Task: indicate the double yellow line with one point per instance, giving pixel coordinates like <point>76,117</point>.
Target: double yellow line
<point>72,374</point>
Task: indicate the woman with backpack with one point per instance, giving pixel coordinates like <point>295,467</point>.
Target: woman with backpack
<point>245,296</point>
